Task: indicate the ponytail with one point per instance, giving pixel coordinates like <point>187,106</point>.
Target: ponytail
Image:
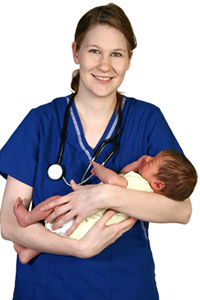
<point>75,81</point>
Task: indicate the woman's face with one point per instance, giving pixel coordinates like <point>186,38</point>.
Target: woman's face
<point>104,59</point>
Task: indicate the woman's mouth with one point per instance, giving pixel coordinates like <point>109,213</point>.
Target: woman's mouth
<point>103,79</point>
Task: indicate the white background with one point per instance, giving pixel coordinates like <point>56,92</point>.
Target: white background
<point>36,66</point>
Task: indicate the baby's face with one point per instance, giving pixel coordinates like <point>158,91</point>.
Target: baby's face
<point>150,167</point>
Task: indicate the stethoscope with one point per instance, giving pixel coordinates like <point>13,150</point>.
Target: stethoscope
<point>56,172</point>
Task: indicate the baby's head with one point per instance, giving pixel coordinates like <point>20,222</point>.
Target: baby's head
<point>170,173</point>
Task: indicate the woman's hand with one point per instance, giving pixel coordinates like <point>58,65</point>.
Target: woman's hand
<point>101,235</point>
<point>78,205</point>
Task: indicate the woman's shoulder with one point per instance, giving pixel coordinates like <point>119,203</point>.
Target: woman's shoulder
<point>133,103</point>
<point>56,105</point>
<point>46,113</point>
<point>141,109</point>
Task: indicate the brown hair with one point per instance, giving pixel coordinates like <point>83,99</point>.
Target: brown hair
<point>111,15</point>
<point>178,174</point>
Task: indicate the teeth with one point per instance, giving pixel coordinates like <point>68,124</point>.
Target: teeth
<point>103,78</point>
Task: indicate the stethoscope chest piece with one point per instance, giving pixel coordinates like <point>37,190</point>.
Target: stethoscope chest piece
<point>55,171</point>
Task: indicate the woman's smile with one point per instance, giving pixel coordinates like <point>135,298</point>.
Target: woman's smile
<point>102,79</point>
<point>104,59</point>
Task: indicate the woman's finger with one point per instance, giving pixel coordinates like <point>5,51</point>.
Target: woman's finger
<point>101,235</point>
<point>101,223</point>
<point>117,230</point>
<point>106,217</point>
<point>57,212</point>
<point>73,227</point>
<point>63,219</point>
<point>125,225</point>
<point>57,202</point>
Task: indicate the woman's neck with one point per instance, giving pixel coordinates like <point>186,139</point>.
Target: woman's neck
<point>96,107</point>
<point>95,115</point>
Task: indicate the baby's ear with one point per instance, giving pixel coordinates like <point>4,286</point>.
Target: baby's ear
<point>157,185</point>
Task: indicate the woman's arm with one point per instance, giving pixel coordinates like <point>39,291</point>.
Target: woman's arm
<point>150,207</point>
<point>38,238</point>
<point>34,236</point>
<point>146,206</point>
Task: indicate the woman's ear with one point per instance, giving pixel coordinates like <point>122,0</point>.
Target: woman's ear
<point>157,185</point>
<point>75,53</point>
<point>130,60</point>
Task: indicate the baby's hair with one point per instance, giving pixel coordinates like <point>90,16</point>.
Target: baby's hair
<point>178,174</point>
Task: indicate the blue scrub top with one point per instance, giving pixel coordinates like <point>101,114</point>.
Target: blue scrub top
<point>125,269</point>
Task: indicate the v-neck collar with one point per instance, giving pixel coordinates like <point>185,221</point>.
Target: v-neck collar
<point>112,124</point>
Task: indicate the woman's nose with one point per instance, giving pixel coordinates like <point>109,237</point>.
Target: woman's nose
<point>104,64</point>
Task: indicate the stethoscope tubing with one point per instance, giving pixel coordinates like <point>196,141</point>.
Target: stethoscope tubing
<point>62,144</point>
<point>57,166</point>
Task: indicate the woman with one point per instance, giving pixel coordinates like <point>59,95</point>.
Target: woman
<point>116,267</point>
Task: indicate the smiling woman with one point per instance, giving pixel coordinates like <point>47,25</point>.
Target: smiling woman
<point>112,16</point>
<point>116,257</point>
<point>102,68</point>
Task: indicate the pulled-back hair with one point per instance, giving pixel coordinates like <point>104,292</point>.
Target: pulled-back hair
<point>111,15</point>
<point>178,174</point>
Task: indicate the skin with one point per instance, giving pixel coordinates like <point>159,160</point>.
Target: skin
<point>149,169</point>
<point>104,60</point>
<point>26,218</point>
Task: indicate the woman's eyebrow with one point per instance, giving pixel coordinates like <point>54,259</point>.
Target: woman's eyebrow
<point>120,49</point>
<point>95,46</point>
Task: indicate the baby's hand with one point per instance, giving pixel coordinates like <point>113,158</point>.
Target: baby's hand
<point>136,165</point>
<point>142,160</point>
<point>95,167</point>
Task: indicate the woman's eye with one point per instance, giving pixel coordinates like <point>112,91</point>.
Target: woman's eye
<point>94,51</point>
<point>116,54</point>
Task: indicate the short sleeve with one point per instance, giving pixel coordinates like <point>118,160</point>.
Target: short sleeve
<point>160,135</point>
<point>18,157</point>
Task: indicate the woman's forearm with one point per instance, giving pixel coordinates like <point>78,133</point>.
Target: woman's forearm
<point>35,236</point>
<point>147,206</point>
<point>38,238</point>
